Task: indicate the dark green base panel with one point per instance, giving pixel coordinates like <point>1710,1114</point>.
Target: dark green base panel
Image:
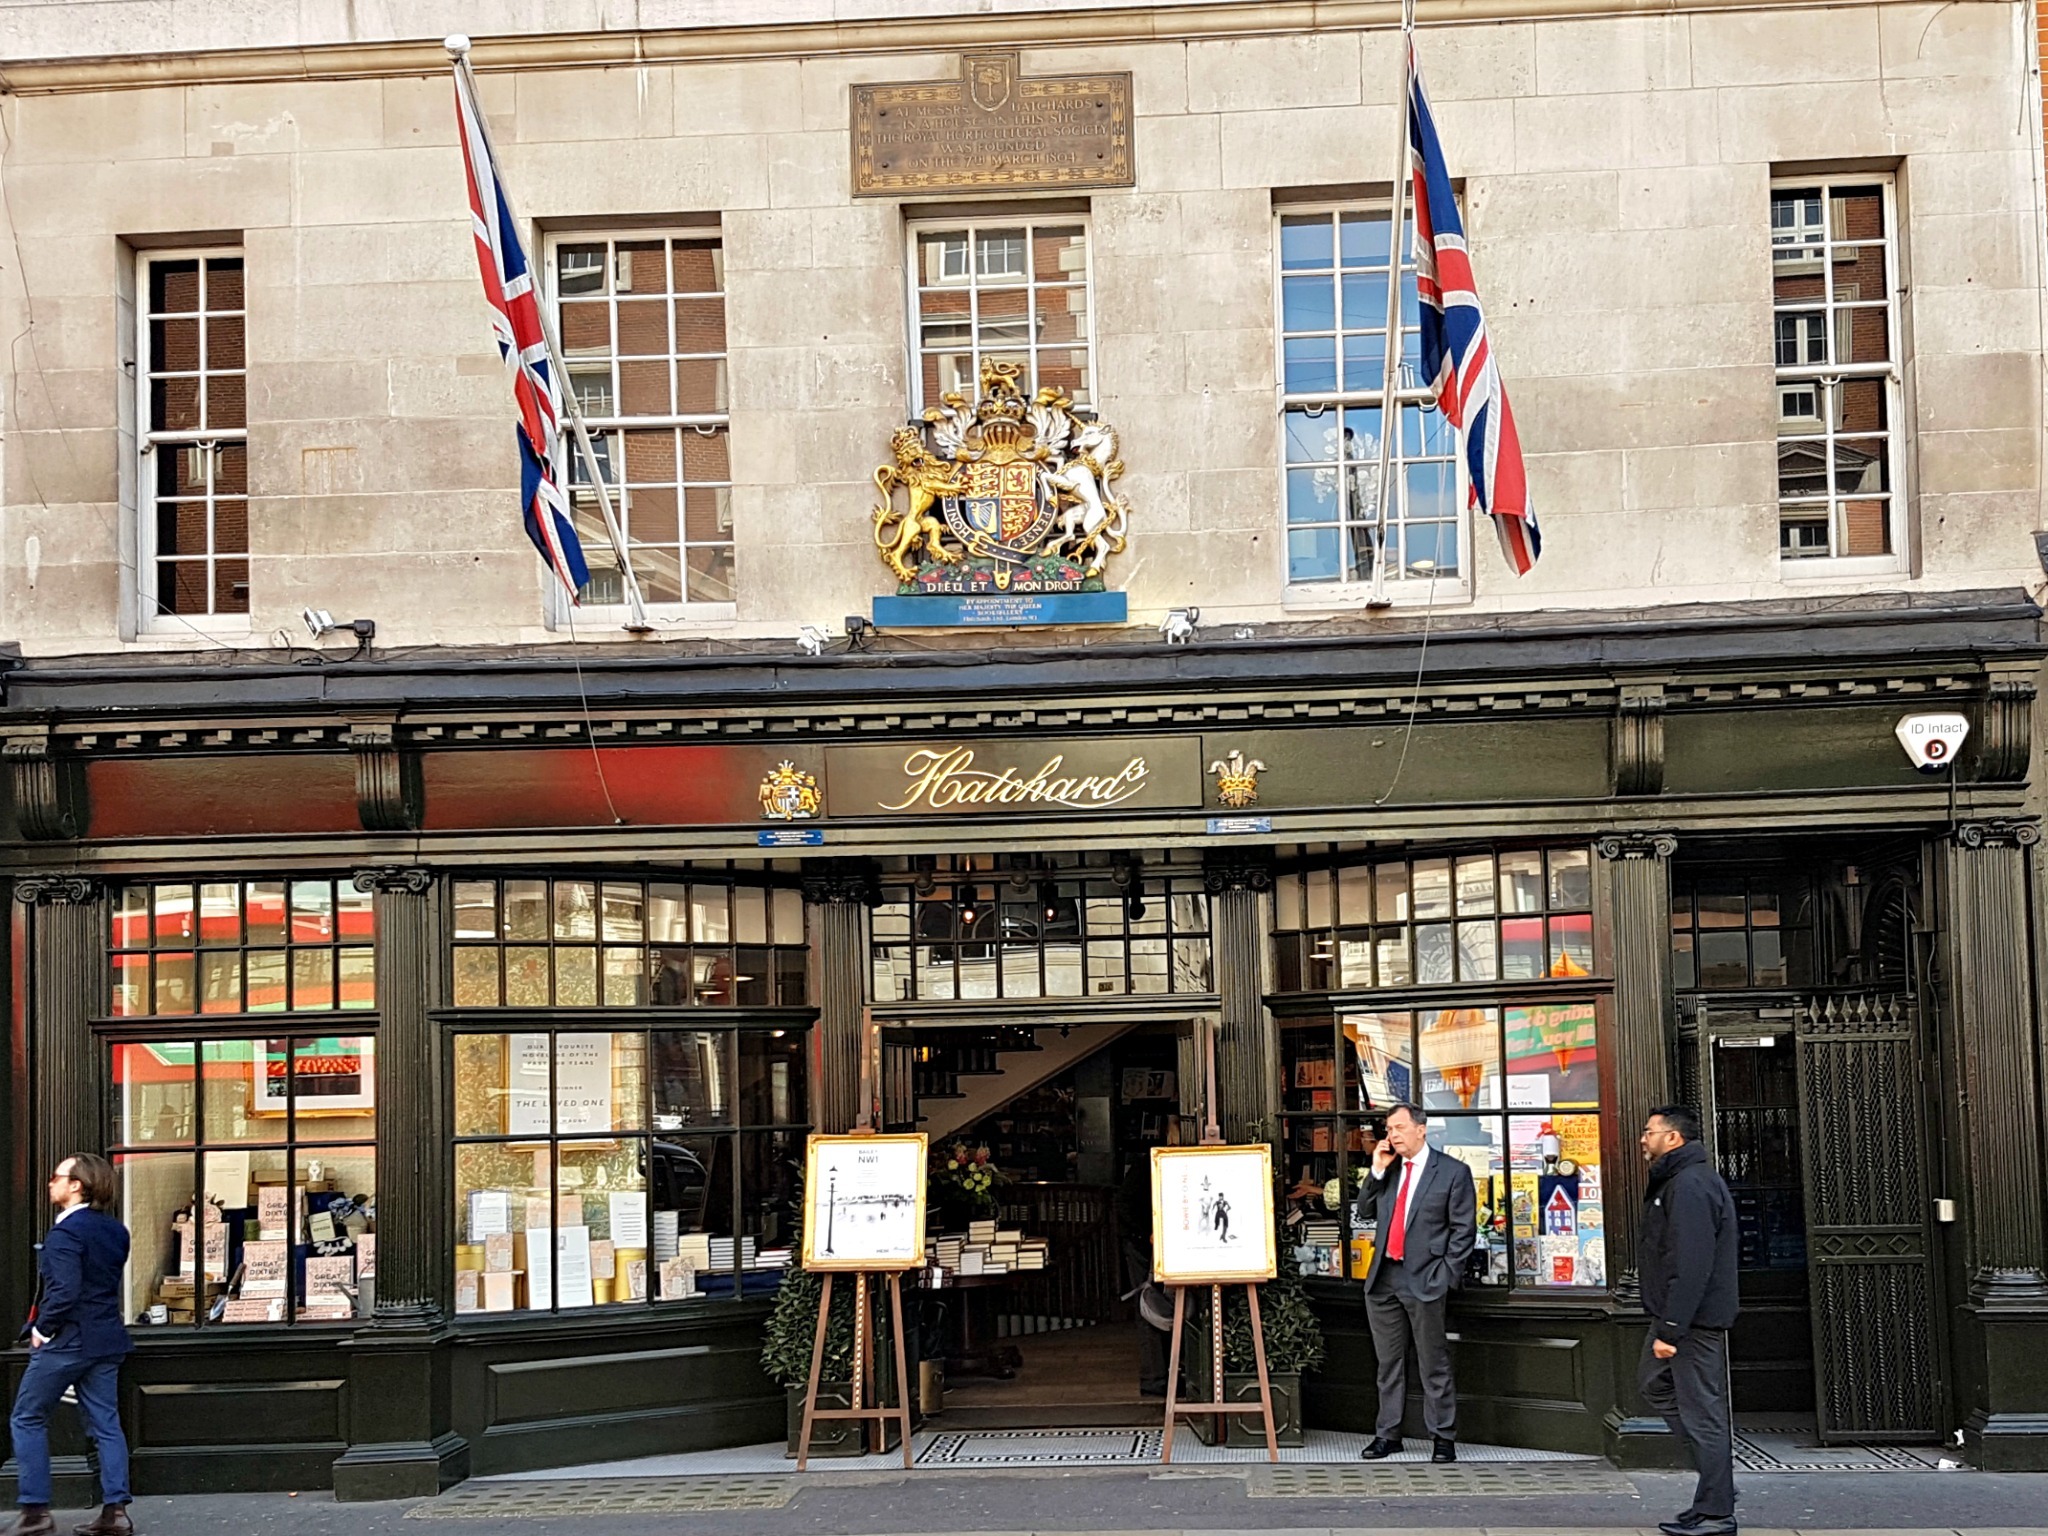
<point>406,1470</point>
<point>73,1484</point>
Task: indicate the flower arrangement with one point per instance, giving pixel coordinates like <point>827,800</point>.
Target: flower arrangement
<point>964,1179</point>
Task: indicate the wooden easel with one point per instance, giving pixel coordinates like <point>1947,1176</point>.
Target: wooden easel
<point>1177,1410</point>
<point>1212,1136</point>
<point>864,1382</point>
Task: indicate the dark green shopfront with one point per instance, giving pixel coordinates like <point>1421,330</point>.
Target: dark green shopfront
<point>366,972</point>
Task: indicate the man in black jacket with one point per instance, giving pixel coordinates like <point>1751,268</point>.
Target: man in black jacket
<point>1686,1262</point>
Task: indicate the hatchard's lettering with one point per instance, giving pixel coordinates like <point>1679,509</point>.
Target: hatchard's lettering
<point>946,778</point>
<point>997,778</point>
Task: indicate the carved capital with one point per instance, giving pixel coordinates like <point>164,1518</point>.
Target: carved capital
<point>2005,739</point>
<point>55,890</point>
<point>1236,869</point>
<point>842,881</point>
<point>1636,845</point>
<point>395,880</point>
<point>1998,832</point>
<point>1638,745</point>
<point>41,784</point>
<point>387,778</point>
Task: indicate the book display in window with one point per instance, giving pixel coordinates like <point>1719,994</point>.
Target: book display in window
<point>248,1178</point>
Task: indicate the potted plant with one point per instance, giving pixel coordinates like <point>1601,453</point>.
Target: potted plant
<point>963,1186</point>
<point>786,1356</point>
<point>1294,1345</point>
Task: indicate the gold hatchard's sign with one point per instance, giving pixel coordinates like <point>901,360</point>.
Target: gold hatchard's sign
<point>1021,778</point>
<point>992,130</point>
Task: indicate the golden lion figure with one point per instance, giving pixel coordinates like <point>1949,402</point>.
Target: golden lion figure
<point>899,534</point>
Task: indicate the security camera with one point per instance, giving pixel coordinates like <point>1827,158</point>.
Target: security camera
<point>1933,741</point>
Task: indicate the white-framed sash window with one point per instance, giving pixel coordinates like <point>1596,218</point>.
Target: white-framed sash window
<point>1332,266</point>
<point>1014,289</point>
<point>641,319</point>
<point>1835,342</point>
<point>192,501</point>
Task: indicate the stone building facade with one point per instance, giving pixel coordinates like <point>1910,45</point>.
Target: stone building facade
<point>1764,281</point>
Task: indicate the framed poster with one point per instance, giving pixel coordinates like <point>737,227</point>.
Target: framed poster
<point>1212,1215</point>
<point>864,1202</point>
<point>335,1076</point>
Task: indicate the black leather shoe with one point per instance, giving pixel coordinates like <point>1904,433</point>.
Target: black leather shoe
<point>1698,1525</point>
<point>35,1520</point>
<point>1444,1450</point>
<point>1380,1449</point>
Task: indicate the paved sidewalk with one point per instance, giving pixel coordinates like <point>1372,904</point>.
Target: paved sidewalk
<point>1193,1501</point>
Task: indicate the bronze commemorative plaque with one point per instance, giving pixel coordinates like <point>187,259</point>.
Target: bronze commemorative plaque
<point>992,130</point>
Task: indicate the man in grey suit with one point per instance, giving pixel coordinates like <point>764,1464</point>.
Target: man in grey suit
<point>1427,1220</point>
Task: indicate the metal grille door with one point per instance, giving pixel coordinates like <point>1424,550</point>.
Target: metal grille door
<point>1876,1366</point>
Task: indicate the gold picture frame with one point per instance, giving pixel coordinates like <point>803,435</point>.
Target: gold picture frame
<point>1212,1215</point>
<point>864,1202</point>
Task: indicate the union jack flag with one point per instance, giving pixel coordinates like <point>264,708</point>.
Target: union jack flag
<point>1457,362</point>
<point>515,317</point>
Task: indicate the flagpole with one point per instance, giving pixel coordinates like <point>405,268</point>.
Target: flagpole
<point>1390,409</point>
<point>636,609</point>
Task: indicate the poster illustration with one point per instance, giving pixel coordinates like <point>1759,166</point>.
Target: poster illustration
<point>864,1202</point>
<point>1212,1215</point>
<point>329,1076</point>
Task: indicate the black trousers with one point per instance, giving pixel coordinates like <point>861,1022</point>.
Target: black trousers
<point>1690,1391</point>
<point>1399,1319</point>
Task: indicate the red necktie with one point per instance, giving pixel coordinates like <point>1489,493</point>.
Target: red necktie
<point>1397,1240</point>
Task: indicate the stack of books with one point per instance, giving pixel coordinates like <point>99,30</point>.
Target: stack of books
<point>985,1249</point>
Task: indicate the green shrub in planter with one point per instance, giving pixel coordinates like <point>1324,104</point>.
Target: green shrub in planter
<point>1294,1345</point>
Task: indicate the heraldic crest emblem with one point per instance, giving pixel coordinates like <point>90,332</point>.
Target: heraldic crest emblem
<point>1001,495</point>
<point>790,794</point>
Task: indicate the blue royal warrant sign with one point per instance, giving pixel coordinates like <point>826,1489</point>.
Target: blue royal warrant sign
<point>1001,511</point>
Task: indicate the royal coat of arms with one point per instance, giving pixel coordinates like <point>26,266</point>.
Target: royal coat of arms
<point>790,794</point>
<point>1003,495</point>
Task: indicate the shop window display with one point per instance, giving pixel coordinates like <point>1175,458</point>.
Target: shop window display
<point>247,946</point>
<point>1512,1091</point>
<point>587,943</point>
<point>625,1167</point>
<point>248,1178</point>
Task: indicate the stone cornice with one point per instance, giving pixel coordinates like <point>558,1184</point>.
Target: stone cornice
<point>1049,27</point>
<point>383,750</point>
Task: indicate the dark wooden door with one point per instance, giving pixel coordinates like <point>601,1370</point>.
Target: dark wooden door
<point>1863,1132</point>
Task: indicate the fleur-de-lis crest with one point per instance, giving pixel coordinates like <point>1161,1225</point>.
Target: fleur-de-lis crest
<point>1237,781</point>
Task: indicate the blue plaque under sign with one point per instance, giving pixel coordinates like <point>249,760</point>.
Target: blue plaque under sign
<point>1223,826</point>
<point>790,837</point>
<point>966,610</point>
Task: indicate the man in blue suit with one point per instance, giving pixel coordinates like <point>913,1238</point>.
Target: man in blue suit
<point>77,1341</point>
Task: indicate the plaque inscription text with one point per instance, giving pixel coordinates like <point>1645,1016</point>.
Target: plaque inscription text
<point>992,129</point>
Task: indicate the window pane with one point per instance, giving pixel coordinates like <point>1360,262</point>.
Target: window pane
<point>1306,242</point>
<point>334,1088</point>
<point>691,1071</point>
<point>152,1100</point>
<point>156,1190</point>
<point>266,912</point>
<point>313,978</point>
<point>1384,1053</point>
<point>312,911</point>
<point>1558,1225</point>
<point>1571,879</point>
<point>772,1081</point>
<point>1553,1060</point>
<point>1460,1059</point>
<point>526,909</point>
<point>476,976</point>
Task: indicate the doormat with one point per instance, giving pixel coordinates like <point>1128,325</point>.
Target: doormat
<point>1041,1447</point>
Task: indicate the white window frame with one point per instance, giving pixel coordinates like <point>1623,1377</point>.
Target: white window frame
<point>1831,375</point>
<point>150,621</point>
<point>1402,588</point>
<point>968,278</point>
<point>611,615</point>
